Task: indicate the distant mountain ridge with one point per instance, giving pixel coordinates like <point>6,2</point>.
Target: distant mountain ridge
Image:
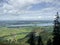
<point>19,22</point>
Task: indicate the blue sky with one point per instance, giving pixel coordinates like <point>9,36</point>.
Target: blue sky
<point>29,9</point>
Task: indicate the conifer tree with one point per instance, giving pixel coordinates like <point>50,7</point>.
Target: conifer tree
<point>31,39</point>
<point>40,40</point>
<point>56,31</point>
<point>49,42</point>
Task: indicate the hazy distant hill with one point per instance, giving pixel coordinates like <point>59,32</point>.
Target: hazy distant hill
<point>18,22</point>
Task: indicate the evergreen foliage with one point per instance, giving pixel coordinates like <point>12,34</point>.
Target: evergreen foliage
<point>31,40</point>
<point>49,42</point>
<point>40,40</point>
<point>56,32</point>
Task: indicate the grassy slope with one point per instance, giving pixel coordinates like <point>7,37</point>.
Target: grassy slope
<point>14,32</point>
<point>19,33</point>
<point>45,33</point>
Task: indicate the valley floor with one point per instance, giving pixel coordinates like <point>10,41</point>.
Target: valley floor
<point>18,35</point>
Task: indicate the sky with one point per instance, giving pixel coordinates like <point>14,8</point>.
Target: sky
<point>29,9</point>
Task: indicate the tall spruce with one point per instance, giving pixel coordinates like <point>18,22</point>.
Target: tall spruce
<point>39,40</point>
<point>31,39</point>
<point>56,31</point>
<point>49,42</point>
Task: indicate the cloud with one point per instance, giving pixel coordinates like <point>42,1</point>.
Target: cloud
<point>20,9</point>
<point>20,4</point>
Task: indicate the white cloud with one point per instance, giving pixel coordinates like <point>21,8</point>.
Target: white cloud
<point>15,10</point>
<point>19,4</point>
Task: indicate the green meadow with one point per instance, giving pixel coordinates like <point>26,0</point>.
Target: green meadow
<point>16,33</point>
<point>20,34</point>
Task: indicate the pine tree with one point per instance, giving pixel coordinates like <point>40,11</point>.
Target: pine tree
<point>56,31</point>
<point>40,40</point>
<point>31,39</point>
<point>49,42</point>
